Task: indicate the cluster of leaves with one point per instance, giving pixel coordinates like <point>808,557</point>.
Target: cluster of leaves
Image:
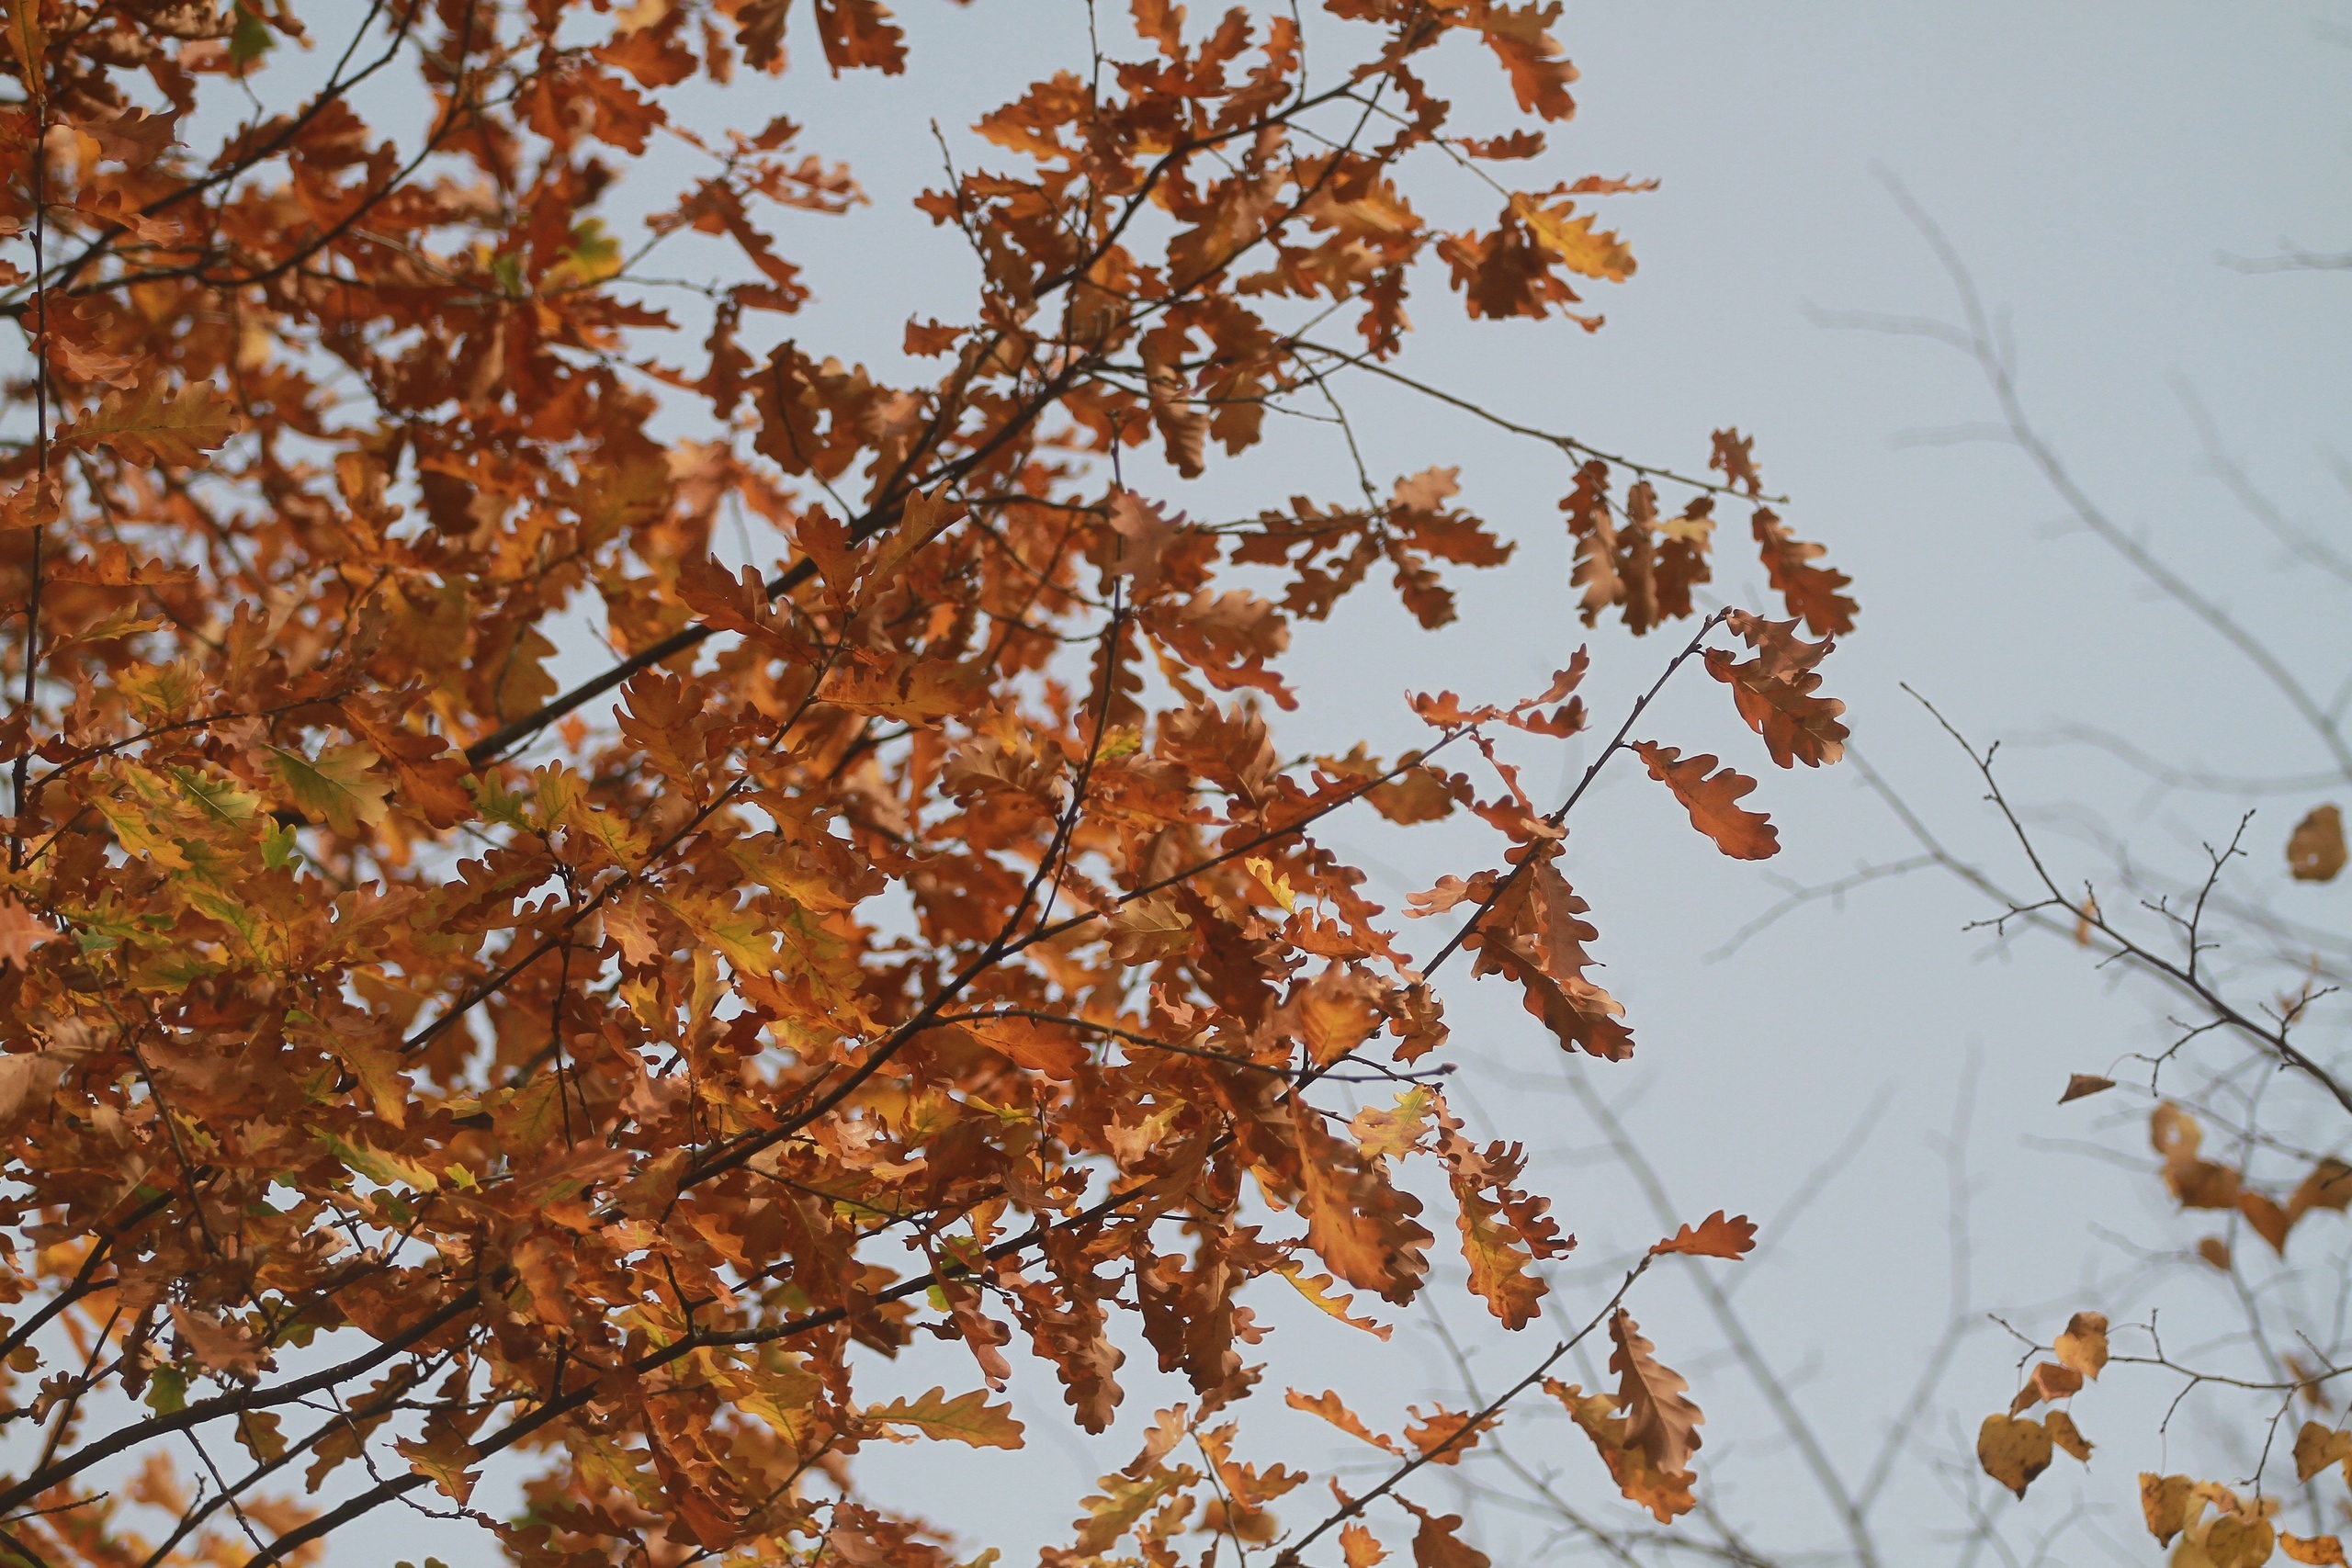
<point>2209,1519</point>
<point>411,1062</point>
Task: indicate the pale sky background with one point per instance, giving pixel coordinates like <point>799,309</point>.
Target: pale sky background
<point>2091,161</point>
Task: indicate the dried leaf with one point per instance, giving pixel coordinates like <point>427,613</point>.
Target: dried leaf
<point>2163,1502</point>
<point>2312,1549</point>
<point>1713,802</point>
<point>2067,1436</point>
<point>1659,1418</point>
<point>2083,1085</point>
<point>968,1418</point>
<point>1714,1237</point>
<point>2048,1380</point>
<point>2083,1346</point>
<point>2315,850</point>
<point>2013,1450</point>
<point>2317,1447</point>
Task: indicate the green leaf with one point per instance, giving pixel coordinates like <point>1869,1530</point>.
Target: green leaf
<point>337,785</point>
<point>250,39</point>
<point>167,1391</point>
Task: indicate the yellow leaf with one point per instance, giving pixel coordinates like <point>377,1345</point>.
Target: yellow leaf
<point>1328,1406</point>
<point>150,428</point>
<point>1601,255</point>
<point>1319,1289</point>
<point>2067,1436</point>
<point>2084,1345</point>
<point>966,1418</point>
<point>337,785</point>
<point>446,1463</point>
<point>2317,1447</point>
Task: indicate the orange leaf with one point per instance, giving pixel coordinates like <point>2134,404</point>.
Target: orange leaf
<point>1713,802</point>
<point>2315,849</point>
<point>1659,1418</point>
<point>1330,1406</point>
<point>2013,1450</point>
<point>2084,1345</point>
<point>1714,1237</point>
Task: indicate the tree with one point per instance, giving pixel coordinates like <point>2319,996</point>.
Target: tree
<point>423,1072</point>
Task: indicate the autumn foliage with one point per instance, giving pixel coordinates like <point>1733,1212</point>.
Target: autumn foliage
<point>540,1084</point>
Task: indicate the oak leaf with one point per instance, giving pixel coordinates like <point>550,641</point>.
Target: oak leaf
<point>1775,693</point>
<point>449,1465</point>
<point>1534,932</point>
<point>155,428</point>
<point>2328,1185</point>
<point>1146,929</point>
<point>1714,801</point>
<point>1715,1237</point>
<point>968,1418</point>
<point>20,932</point>
<point>1435,1544</point>
<point>2266,1218</point>
<point>1666,1495</point>
<point>1359,1549</point>
<point>339,785</point>
<point>1659,1418</point>
<point>1330,1407</point>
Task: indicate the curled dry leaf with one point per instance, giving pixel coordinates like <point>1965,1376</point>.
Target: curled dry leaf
<point>2083,1346</point>
<point>2067,1436</point>
<point>1666,1495</point>
<point>2080,1086</point>
<point>2013,1450</point>
<point>2318,1549</point>
<point>2315,850</point>
<point>2049,1382</point>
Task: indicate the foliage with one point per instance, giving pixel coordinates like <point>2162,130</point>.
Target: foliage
<point>417,1070</point>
